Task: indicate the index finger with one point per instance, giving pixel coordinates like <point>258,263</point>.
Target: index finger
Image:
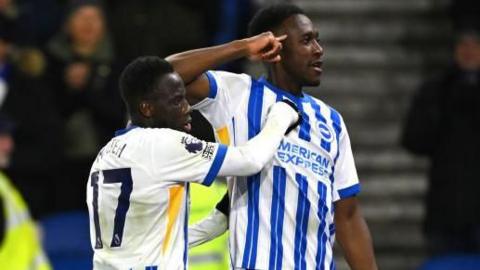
<point>281,38</point>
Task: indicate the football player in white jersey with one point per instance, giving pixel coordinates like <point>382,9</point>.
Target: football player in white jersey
<point>137,191</point>
<point>286,216</point>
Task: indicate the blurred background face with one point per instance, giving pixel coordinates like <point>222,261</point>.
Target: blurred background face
<point>3,49</point>
<point>86,25</point>
<point>467,52</point>
<point>4,4</point>
<point>6,148</point>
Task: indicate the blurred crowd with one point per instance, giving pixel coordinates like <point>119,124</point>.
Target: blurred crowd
<point>443,125</point>
<point>59,67</point>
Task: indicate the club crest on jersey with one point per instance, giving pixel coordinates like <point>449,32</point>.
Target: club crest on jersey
<point>325,131</point>
<point>192,145</point>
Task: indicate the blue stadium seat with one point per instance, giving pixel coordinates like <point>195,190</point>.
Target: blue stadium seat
<point>453,262</point>
<point>67,241</point>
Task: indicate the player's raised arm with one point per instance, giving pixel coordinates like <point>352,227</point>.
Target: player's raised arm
<point>182,157</point>
<point>191,65</point>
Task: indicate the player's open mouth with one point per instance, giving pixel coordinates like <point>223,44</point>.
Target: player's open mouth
<point>317,66</point>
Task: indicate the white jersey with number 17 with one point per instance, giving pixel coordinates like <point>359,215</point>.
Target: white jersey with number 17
<point>137,196</point>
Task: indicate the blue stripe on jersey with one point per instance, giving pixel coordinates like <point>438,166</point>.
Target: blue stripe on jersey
<point>322,237</point>
<point>185,227</point>
<point>234,131</point>
<point>216,165</point>
<point>331,229</point>
<point>349,192</point>
<point>301,222</point>
<point>326,145</point>
<point>316,108</point>
<point>255,104</point>
<point>337,126</point>
<point>276,217</point>
<point>212,84</point>
<point>305,128</point>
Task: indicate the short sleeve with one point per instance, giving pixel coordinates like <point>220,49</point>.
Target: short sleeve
<point>346,182</point>
<point>227,91</point>
<point>178,156</point>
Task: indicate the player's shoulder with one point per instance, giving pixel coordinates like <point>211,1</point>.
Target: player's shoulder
<point>229,77</point>
<point>155,135</point>
<point>148,137</point>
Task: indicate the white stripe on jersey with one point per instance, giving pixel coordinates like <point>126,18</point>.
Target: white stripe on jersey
<point>282,218</point>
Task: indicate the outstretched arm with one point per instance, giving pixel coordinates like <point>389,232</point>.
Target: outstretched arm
<point>353,235</point>
<point>177,155</point>
<point>192,64</point>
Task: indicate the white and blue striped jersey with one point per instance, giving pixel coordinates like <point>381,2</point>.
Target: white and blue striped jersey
<point>282,217</point>
<point>138,197</point>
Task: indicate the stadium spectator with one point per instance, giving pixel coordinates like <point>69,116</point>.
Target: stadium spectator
<point>20,246</point>
<point>442,125</point>
<point>33,21</point>
<point>25,97</point>
<point>83,73</point>
<point>313,171</point>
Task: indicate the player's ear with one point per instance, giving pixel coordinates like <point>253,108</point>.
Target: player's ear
<point>146,109</point>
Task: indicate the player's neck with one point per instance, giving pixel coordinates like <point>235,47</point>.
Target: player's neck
<point>144,123</point>
<point>283,81</point>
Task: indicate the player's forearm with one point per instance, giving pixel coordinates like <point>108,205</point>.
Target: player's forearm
<point>193,63</point>
<point>253,156</point>
<point>207,229</point>
<point>354,238</point>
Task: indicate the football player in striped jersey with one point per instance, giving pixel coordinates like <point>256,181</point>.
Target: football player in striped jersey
<point>286,216</point>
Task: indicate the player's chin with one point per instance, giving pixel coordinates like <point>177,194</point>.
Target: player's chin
<point>314,81</point>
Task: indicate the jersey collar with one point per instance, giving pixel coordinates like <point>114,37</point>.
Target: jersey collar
<point>281,91</point>
<point>125,130</point>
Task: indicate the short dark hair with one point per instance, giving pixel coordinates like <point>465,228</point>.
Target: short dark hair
<point>140,77</point>
<point>271,17</point>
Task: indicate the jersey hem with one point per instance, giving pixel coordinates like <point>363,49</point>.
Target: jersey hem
<point>349,192</point>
